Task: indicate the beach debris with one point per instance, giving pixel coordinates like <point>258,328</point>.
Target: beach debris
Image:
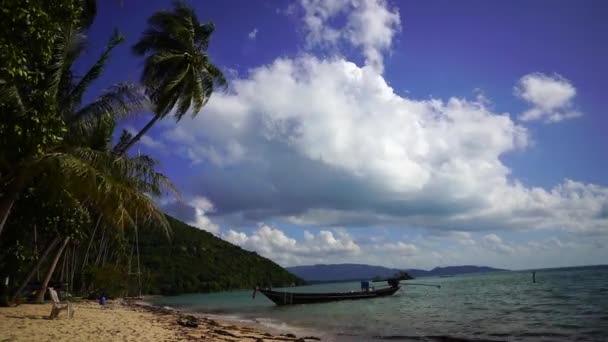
<point>187,321</point>
<point>224,333</point>
<point>314,338</point>
<point>289,335</point>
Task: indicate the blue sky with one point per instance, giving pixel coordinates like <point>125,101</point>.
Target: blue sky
<point>402,133</point>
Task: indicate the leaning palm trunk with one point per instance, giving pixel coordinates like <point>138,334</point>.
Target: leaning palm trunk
<point>6,205</point>
<point>36,267</point>
<point>9,198</point>
<point>139,134</point>
<point>42,291</point>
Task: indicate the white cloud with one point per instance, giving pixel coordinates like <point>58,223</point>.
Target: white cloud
<point>323,142</point>
<point>550,97</point>
<point>400,247</point>
<point>274,244</point>
<point>424,252</point>
<point>369,156</point>
<point>370,25</point>
<point>460,237</point>
<point>202,206</point>
<point>253,34</point>
<point>495,243</point>
<point>151,143</point>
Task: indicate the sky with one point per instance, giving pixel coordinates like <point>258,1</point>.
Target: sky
<point>408,134</point>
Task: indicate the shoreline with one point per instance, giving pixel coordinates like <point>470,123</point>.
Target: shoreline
<point>262,324</point>
<point>133,321</point>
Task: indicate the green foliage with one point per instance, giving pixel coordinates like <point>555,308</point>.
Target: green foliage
<point>178,72</point>
<point>109,279</point>
<point>197,261</point>
<point>30,29</point>
<point>39,23</point>
<point>76,158</point>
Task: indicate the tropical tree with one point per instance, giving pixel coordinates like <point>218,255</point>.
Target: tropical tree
<point>81,162</point>
<point>81,150</point>
<point>30,30</point>
<point>178,74</point>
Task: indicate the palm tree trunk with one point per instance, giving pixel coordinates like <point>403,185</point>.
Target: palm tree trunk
<point>85,260</point>
<point>6,205</point>
<point>36,267</point>
<point>86,255</point>
<point>9,197</point>
<point>73,268</point>
<point>42,291</point>
<point>139,135</point>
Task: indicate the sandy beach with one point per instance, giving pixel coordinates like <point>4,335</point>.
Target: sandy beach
<point>122,322</point>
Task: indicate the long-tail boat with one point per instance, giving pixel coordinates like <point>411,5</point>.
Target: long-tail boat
<point>289,298</point>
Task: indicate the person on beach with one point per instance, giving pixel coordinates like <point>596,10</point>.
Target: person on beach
<point>102,299</point>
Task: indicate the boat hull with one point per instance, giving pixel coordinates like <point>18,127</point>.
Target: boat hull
<point>290,298</point>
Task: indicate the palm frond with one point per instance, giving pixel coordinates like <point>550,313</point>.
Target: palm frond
<point>97,68</point>
<point>67,49</point>
<point>10,94</point>
<point>203,35</point>
<point>177,69</point>
<point>115,186</point>
<point>118,102</point>
<point>89,12</point>
<point>216,74</point>
<point>153,39</point>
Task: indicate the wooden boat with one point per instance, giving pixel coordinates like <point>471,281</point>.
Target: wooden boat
<point>289,298</point>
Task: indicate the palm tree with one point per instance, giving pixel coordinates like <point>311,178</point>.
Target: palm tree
<point>83,151</point>
<point>178,74</point>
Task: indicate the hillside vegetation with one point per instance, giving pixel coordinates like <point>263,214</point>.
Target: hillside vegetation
<point>196,261</point>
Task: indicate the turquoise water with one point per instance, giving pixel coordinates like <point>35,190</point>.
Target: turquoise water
<point>567,304</point>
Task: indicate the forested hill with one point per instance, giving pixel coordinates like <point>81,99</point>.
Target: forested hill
<point>196,261</point>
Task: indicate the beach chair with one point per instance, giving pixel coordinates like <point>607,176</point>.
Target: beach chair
<point>58,306</point>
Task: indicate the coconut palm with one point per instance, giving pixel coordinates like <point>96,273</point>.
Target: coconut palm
<point>85,166</point>
<point>82,164</point>
<point>83,160</point>
<point>178,74</point>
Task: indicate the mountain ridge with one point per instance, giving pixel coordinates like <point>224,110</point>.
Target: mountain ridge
<point>341,272</point>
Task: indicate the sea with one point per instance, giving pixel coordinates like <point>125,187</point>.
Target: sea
<point>564,304</point>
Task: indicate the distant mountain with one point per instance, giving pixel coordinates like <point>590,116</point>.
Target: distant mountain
<point>452,270</point>
<point>339,272</point>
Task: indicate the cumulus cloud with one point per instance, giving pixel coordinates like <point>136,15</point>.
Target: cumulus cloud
<point>276,245</point>
<point>400,247</point>
<point>427,251</point>
<point>459,237</point>
<point>253,34</point>
<point>370,25</point>
<point>326,142</point>
<point>202,206</point>
<point>550,96</point>
<point>494,242</point>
